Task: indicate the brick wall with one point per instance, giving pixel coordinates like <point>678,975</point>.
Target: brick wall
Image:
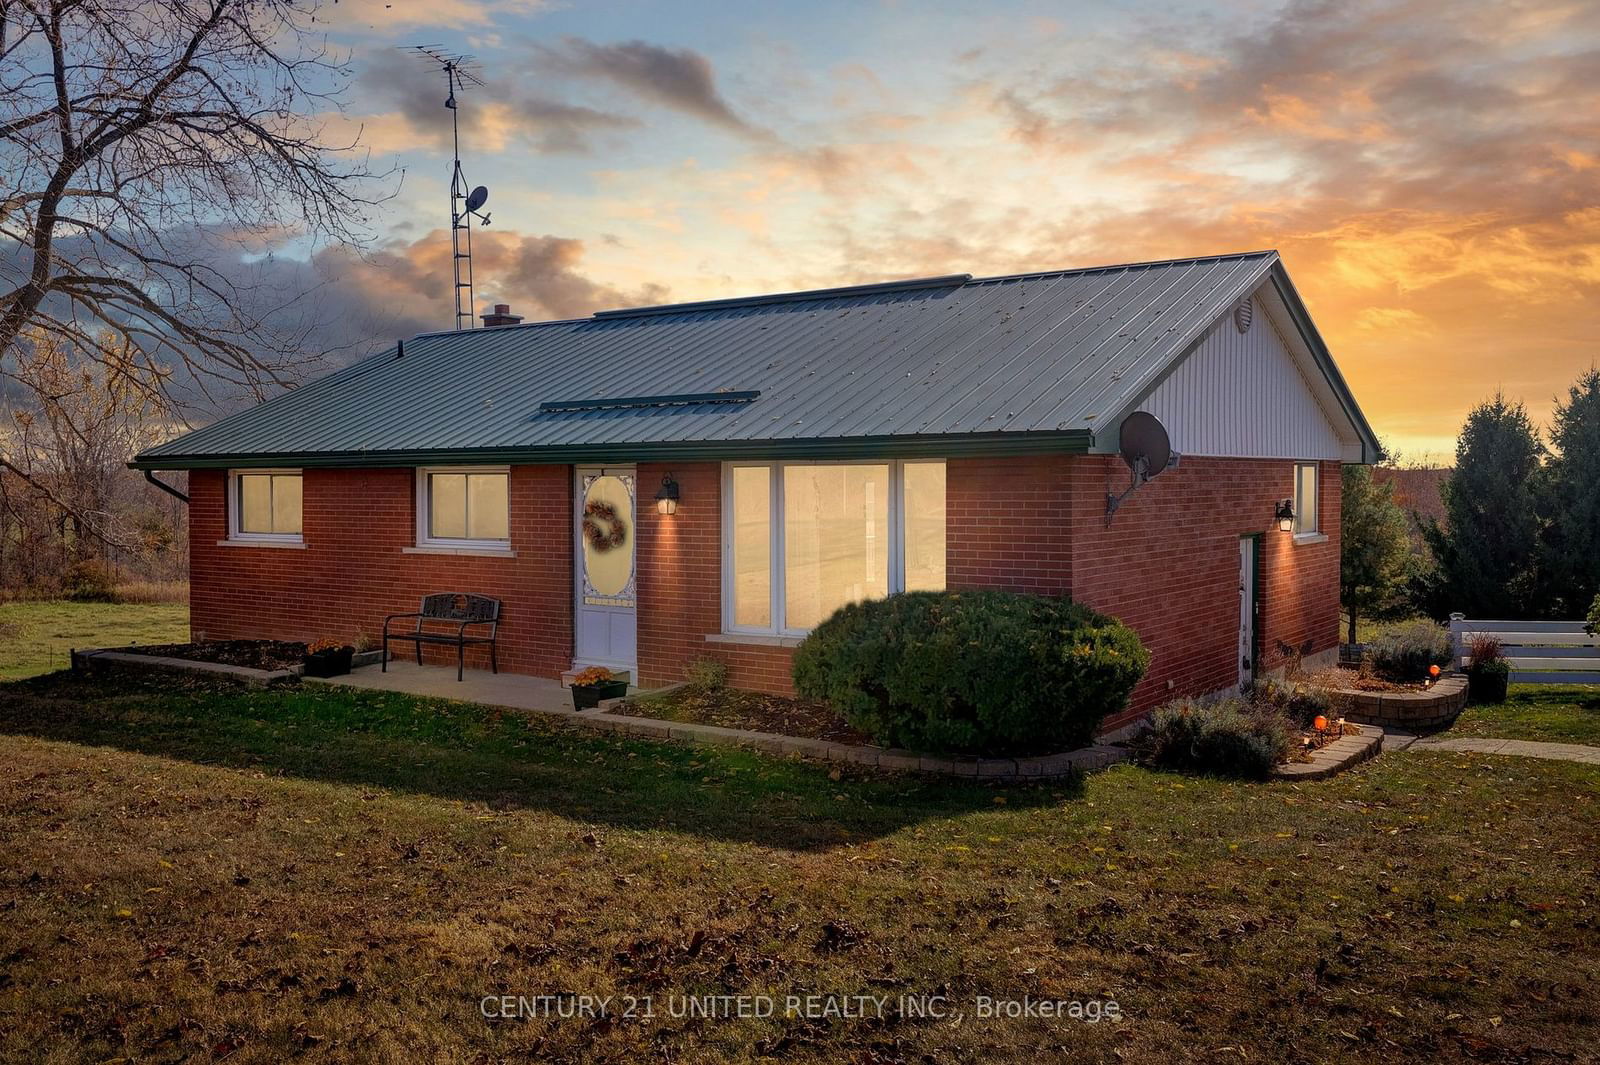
<point>1007,524</point>
<point>1168,566</point>
<point>680,586</point>
<point>353,569</point>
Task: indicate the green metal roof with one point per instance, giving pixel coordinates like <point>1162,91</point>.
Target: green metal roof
<point>939,366</point>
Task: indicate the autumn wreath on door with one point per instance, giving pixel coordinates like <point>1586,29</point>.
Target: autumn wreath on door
<point>602,528</point>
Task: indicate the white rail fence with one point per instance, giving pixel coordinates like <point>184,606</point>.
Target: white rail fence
<point>1540,652</point>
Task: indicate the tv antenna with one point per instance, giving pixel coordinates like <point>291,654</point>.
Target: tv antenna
<point>1145,447</point>
<point>466,201</point>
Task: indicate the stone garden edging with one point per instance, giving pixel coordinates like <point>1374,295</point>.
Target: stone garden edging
<point>1336,757</point>
<point>1031,767</point>
<point>1437,706</point>
<point>117,657</point>
<point>255,678</point>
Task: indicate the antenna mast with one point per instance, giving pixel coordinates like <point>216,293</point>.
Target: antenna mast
<point>465,200</point>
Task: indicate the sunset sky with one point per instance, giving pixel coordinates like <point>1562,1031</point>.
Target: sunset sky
<point>1429,169</point>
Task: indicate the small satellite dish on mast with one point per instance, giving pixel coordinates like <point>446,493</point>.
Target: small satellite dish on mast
<point>464,205</point>
<point>1145,446</point>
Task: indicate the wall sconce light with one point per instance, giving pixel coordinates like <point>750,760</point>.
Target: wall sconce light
<point>667,496</point>
<point>1285,515</point>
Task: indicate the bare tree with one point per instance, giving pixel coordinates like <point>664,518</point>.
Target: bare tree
<point>143,145</point>
<point>72,429</point>
<point>140,140</point>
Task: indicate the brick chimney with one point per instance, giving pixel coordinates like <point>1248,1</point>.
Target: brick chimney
<point>501,315</point>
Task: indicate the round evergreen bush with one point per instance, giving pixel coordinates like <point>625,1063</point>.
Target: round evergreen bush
<point>981,672</point>
<point>1404,651</point>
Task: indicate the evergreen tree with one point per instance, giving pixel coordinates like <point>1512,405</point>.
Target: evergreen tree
<point>1570,494</point>
<point>1487,552</point>
<point>1375,558</point>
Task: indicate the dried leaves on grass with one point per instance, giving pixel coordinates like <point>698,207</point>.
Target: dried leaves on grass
<point>331,875</point>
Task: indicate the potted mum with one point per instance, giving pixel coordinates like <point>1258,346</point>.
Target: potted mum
<point>593,685</point>
<point>1488,672</point>
<point>328,658</point>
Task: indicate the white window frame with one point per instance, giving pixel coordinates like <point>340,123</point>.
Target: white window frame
<point>236,534</point>
<point>1301,534</point>
<point>896,536</point>
<point>424,507</point>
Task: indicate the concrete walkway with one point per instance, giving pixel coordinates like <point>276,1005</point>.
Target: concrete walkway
<point>515,690</point>
<point>1560,752</point>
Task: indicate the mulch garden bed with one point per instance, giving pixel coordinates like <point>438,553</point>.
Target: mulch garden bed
<point>1342,679</point>
<point>733,708</point>
<point>252,654</point>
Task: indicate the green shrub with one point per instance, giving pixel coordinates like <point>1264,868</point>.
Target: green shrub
<point>1228,737</point>
<point>90,581</point>
<point>1593,627</point>
<point>1403,652</point>
<point>982,672</point>
<point>707,673</point>
<point>1298,703</point>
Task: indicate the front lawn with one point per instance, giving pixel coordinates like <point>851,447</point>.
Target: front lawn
<point>320,873</point>
<point>1558,713</point>
<point>38,637</point>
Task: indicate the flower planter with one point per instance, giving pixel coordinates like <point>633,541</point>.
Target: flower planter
<point>332,663</point>
<point>1409,710</point>
<point>588,696</point>
<point>1488,686</point>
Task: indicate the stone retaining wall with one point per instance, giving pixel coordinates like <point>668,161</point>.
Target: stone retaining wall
<point>1336,757</point>
<point>1436,707</point>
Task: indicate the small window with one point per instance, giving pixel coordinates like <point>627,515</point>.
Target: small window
<point>264,505</point>
<point>751,533</point>
<point>1305,499</point>
<point>463,507</point>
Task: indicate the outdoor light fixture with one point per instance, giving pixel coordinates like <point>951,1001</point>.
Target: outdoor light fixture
<point>667,496</point>
<point>1285,515</point>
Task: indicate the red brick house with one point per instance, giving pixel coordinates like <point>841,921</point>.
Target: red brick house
<point>646,487</point>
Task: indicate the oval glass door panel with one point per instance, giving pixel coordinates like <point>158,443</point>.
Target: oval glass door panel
<point>608,530</point>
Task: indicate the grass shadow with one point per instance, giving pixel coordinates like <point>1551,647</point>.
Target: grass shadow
<point>463,751</point>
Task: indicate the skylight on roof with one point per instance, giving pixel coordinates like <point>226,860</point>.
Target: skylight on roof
<point>681,399</point>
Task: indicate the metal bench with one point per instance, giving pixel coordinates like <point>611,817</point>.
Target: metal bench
<point>442,611</point>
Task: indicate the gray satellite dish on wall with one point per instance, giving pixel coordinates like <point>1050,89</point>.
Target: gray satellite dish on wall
<point>1145,446</point>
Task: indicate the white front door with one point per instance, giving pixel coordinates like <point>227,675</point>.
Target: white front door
<point>605,628</point>
<point>1247,611</point>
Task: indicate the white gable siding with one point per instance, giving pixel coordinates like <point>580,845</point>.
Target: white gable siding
<point>1241,395</point>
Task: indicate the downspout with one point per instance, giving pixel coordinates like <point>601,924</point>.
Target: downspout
<point>150,476</point>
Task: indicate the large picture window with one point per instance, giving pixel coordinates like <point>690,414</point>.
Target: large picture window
<point>264,505</point>
<point>803,539</point>
<point>464,507</point>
